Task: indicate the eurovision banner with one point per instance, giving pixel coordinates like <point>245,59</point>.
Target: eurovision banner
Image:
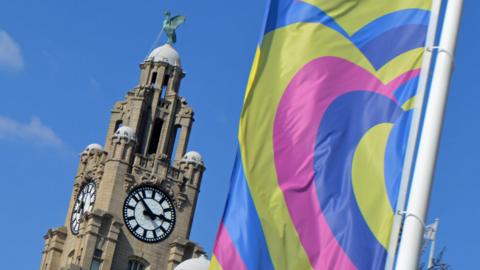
<point>323,135</point>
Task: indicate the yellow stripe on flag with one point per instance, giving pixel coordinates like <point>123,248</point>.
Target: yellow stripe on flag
<point>214,265</point>
<point>368,177</point>
<point>352,15</point>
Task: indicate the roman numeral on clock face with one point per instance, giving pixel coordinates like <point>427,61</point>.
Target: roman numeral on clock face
<point>162,200</point>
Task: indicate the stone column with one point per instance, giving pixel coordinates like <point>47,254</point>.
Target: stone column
<point>54,243</point>
<point>183,139</point>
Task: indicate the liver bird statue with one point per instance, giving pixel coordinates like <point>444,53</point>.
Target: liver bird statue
<point>170,24</point>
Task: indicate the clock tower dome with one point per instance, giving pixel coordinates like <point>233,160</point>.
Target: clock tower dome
<point>133,200</point>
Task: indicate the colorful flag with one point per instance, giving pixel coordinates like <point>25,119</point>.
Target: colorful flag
<point>323,135</point>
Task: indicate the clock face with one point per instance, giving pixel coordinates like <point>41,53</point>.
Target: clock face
<point>149,214</point>
<point>84,203</point>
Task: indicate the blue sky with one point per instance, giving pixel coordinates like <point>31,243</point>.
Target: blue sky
<point>63,64</point>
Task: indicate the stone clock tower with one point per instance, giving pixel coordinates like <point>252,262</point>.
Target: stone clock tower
<point>133,200</point>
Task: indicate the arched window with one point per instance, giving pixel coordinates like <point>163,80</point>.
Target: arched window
<point>135,265</point>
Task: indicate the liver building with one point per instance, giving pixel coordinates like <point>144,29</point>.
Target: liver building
<point>133,201</point>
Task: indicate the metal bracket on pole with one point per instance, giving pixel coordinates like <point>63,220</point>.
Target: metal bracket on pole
<point>441,50</point>
<point>406,214</point>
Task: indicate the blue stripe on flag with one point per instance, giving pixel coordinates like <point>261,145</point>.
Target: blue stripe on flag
<point>242,222</point>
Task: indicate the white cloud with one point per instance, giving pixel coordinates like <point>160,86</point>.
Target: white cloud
<point>10,53</point>
<point>34,132</point>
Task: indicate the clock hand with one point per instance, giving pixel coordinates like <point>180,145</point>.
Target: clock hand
<point>163,218</point>
<point>147,211</point>
<point>82,203</point>
<point>79,204</point>
<point>82,206</point>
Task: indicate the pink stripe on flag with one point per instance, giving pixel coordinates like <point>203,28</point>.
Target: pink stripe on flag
<point>298,118</point>
<point>226,252</point>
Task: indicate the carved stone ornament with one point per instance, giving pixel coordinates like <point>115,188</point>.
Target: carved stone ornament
<point>76,187</point>
<point>120,105</point>
<point>129,182</point>
<point>84,159</point>
<point>141,177</point>
<point>186,112</point>
<point>85,179</point>
<point>92,164</point>
<point>94,173</point>
<point>180,201</point>
<point>180,198</point>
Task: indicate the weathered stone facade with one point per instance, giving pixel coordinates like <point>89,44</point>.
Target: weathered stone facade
<point>154,154</point>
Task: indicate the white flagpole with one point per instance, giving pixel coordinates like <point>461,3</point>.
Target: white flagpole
<point>410,243</point>
<point>413,135</point>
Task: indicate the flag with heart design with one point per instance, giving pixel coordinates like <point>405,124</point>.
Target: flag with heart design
<point>323,135</point>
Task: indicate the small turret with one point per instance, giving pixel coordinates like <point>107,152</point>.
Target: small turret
<point>123,144</point>
<point>93,147</point>
<point>90,158</point>
<point>193,166</point>
<point>193,157</point>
